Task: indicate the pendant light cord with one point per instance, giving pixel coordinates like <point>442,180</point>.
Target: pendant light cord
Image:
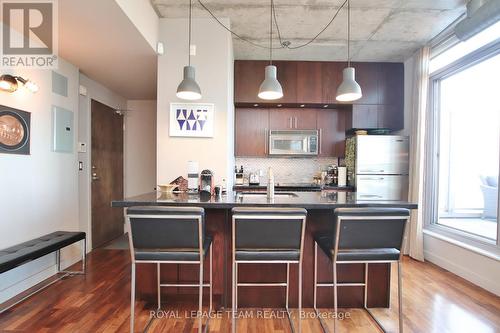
<point>283,44</point>
<point>348,33</point>
<point>189,38</point>
<point>271,34</point>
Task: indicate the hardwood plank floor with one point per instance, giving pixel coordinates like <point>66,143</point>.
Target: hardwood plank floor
<point>434,301</point>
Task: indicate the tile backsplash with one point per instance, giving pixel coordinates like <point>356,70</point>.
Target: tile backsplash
<point>286,170</point>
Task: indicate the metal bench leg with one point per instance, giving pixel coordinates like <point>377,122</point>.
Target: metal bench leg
<point>159,288</point>
<point>84,256</point>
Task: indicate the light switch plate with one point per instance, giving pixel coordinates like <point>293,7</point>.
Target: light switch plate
<point>62,128</point>
<point>82,147</point>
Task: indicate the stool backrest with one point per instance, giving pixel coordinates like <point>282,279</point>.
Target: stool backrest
<point>268,228</point>
<point>370,228</point>
<point>163,228</point>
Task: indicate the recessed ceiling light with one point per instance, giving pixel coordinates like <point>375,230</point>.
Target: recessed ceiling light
<point>325,106</point>
<point>256,105</point>
<point>302,105</point>
<point>279,105</point>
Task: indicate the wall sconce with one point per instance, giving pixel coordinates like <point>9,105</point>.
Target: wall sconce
<point>10,83</point>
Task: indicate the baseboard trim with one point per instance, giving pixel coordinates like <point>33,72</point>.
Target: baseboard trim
<point>463,272</point>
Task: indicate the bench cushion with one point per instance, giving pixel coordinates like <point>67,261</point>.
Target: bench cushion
<point>22,253</point>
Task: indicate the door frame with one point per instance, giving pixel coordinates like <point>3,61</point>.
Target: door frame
<point>90,90</point>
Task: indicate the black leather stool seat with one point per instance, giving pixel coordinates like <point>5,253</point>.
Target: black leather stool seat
<point>326,243</point>
<point>22,253</point>
<point>174,254</point>
<point>268,255</point>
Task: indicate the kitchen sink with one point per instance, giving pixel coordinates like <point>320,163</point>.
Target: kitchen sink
<point>264,195</point>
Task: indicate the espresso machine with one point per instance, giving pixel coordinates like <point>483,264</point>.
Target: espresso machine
<point>207,182</point>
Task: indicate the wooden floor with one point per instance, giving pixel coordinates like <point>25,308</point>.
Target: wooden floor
<point>434,301</point>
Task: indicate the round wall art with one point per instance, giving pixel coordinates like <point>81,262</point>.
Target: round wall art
<point>14,131</point>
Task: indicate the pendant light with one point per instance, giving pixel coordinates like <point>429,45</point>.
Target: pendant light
<point>349,90</point>
<point>270,88</point>
<point>188,88</point>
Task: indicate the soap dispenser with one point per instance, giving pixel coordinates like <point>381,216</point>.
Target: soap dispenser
<point>270,184</point>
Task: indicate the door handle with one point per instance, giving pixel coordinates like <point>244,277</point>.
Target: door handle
<point>94,176</point>
<point>266,138</point>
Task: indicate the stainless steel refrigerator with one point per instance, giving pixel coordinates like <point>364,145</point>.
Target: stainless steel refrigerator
<point>377,165</point>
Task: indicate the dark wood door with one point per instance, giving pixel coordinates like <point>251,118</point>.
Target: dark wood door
<point>332,125</point>
<point>365,116</point>
<point>251,132</point>
<point>293,118</point>
<point>107,173</point>
<point>331,77</point>
<point>367,75</point>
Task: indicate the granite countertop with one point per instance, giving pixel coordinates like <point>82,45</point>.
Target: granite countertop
<point>308,200</point>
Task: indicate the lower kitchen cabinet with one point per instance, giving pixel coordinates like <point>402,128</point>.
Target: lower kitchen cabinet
<point>251,132</point>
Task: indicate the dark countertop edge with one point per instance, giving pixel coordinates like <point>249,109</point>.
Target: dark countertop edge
<point>214,205</point>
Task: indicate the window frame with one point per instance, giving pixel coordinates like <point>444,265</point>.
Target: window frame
<point>431,183</point>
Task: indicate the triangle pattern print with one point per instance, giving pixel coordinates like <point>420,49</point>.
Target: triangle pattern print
<point>181,117</point>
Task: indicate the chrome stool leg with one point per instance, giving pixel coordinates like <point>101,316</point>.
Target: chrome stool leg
<point>159,290</point>
<point>132,299</point>
<point>400,296</point>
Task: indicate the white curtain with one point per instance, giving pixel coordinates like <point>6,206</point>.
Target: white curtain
<point>418,112</point>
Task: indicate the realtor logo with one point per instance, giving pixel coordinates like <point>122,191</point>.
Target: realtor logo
<point>29,33</point>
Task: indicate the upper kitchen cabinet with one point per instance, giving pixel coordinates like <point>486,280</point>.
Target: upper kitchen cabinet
<point>251,132</point>
<point>291,119</point>
<point>331,125</point>
<point>309,82</point>
<point>391,84</point>
<point>287,76</point>
<point>367,75</point>
<point>248,75</point>
<point>331,77</point>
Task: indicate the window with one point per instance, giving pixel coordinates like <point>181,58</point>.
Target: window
<point>465,140</point>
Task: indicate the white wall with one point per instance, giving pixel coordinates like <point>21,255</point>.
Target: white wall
<point>39,192</point>
<point>214,66</point>
<point>140,147</point>
<point>98,92</point>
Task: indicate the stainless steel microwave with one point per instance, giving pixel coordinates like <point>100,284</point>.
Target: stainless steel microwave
<point>293,142</point>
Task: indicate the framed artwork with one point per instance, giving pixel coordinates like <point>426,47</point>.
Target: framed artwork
<point>15,131</point>
<point>192,120</point>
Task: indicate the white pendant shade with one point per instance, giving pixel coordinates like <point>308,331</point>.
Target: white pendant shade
<point>349,90</point>
<point>188,89</point>
<point>270,88</point>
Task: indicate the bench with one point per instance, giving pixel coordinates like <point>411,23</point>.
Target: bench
<point>23,253</point>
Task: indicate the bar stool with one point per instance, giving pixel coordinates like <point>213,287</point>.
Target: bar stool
<point>169,235</point>
<point>270,236</point>
<point>362,235</point>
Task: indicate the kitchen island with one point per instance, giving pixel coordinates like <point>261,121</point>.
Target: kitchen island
<point>320,207</point>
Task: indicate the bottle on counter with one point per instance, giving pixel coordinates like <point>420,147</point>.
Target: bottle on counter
<point>270,184</point>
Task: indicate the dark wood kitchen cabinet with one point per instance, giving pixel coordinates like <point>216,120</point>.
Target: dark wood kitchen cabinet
<point>248,76</point>
<point>315,84</point>
<point>251,132</point>
<point>292,118</point>
<point>332,125</point>
<point>309,82</point>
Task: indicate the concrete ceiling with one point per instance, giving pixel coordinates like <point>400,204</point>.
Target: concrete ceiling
<point>99,38</point>
<point>381,30</point>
